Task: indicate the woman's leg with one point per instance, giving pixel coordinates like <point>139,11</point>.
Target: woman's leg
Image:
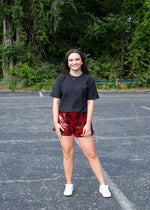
<point>67,144</point>
<point>88,147</point>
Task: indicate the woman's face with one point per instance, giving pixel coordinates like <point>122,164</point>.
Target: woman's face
<point>75,61</point>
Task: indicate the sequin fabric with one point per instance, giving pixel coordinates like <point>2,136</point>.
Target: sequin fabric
<point>73,123</point>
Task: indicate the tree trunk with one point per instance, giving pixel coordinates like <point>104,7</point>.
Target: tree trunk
<point>17,33</point>
<point>7,40</point>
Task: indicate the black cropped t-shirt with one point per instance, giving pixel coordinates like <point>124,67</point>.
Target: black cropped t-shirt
<point>74,92</point>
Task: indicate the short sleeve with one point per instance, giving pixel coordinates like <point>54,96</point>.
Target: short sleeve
<point>56,91</point>
<point>92,91</point>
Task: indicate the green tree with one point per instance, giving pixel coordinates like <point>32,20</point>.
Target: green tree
<point>29,31</point>
<point>139,40</point>
<point>113,34</point>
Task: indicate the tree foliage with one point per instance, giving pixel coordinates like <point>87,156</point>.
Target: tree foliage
<point>113,34</point>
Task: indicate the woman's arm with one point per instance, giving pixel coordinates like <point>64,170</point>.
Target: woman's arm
<point>56,102</point>
<point>90,110</point>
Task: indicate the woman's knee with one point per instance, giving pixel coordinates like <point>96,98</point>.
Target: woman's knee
<point>69,153</point>
<point>91,155</point>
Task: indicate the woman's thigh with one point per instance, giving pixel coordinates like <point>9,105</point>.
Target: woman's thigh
<point>87,145</point>
<point>67,143</point>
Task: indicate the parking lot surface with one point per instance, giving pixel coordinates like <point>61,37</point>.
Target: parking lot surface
<point>31,168</point>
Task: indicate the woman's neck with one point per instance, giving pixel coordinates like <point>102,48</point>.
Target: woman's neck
<point>75,73</point>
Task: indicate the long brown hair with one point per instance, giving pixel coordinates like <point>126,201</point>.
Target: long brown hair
<point>84,65</point>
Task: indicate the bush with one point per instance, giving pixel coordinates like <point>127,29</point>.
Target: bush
<point>41,76</point>
<point>105,66</point>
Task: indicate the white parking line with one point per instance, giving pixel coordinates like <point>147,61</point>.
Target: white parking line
<point>117,193</point>
<point>97,139</point>
<point>144,107</point>
<point>41,95</point>
<point>29,181</point>
<point>77,142</point>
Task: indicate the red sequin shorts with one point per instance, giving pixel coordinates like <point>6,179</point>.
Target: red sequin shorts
<point>73,123</point>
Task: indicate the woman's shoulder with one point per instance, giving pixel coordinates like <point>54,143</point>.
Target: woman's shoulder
<point>61,77</point>
<point>88,77</point>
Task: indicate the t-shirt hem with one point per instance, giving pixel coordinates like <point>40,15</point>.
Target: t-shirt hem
<point>73,111</point>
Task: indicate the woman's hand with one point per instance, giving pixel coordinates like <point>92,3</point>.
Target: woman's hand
<point>57,128</point>
<point>87,130</point>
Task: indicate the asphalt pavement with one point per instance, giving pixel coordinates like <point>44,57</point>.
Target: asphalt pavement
<point>31,168</point>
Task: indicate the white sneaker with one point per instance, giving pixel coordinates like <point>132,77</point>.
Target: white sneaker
<point>103,189</point>
<point>68,190</point>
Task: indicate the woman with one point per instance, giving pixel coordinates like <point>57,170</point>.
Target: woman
<point>73,104</point>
